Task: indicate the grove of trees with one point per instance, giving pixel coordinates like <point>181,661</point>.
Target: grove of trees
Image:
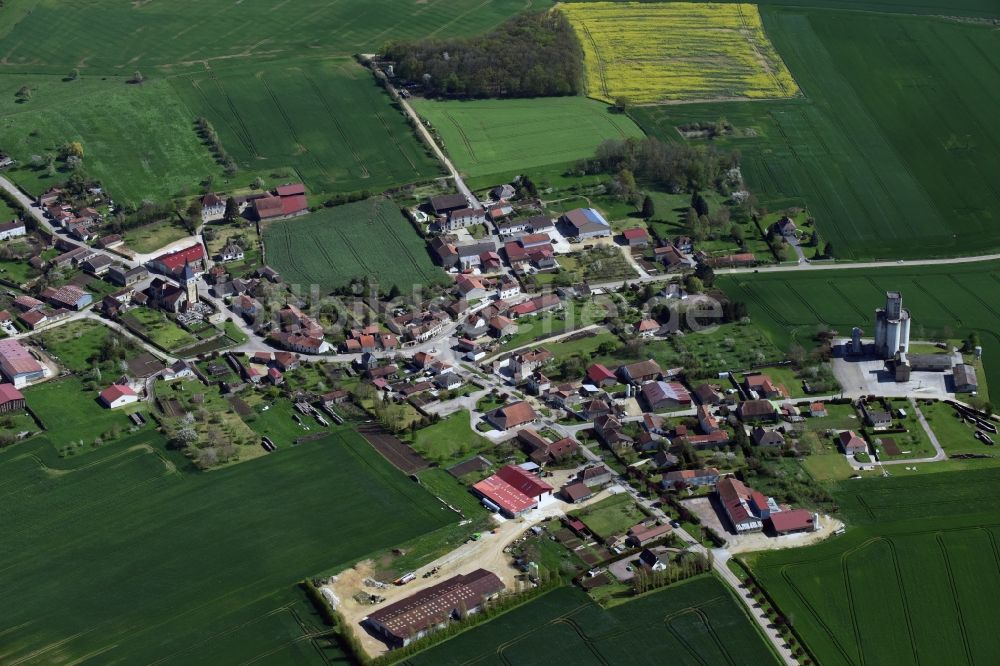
<point>532,55</point>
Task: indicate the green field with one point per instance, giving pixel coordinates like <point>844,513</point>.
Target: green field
<point>123,36</point>
<point>506,137</point>
<point>945,301</point>
<point>913,580</point>
<point>120,556</point>
<point>138,140</point>
<point>450,439</point>
<point>892,161</point>
<point>326,122</point>
<point>612,515</point>
<point>694,622</point>
<point>366,238</point>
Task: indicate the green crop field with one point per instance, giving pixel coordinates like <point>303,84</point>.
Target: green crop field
<point>120,555</point>
<point>486,137</point>
<point>695,622</point>
<point>892,161</point>
<point>333,245</point>
<point>121,36</point>
<point>274,79</point>
<point>913,581</point>
<point>325,121</point>
<point>945,301</point>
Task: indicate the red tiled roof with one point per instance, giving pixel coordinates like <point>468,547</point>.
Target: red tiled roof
<point>176,260</point>
<point>293,204</point>
<point>9,394</point>
<point>524,481</point>
<point>504,495</point>
<point>635,233</point>
<point>291,189</point>
<point>116,391</point>
<point>598,373</point>
<point>796,519</point>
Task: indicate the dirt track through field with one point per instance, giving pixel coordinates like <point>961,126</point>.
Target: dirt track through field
<point>398,453</point>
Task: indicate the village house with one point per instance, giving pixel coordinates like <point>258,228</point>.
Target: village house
<point>767,438</point>
<point>600,376</point>
<point>609,431</point>
<point>576,492</point>
<point>635,237</point>
<point>118,395</point>
<point>750,411</point>
<point>446,203</point>
<point>638,373</point>
<point>503,192</point>
<point>213,207</point>
<point>761,386</point>
<point>470,255</point>
<point>231,252</point>
<point>125,277</point>
<point>643,534</point>
<point>512,416</point>
<point>817,410</point>
<point>850,443</point>
<point>708,476</point>
<point>12,229</point>
<point>647,328</point>
<point>736,499</point>
<point>463,218</point>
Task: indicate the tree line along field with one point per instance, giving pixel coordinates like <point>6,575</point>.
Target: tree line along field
<point>485,137</point>
<point>914,580</point>
<point>326,122</point>
<point>677,51</point>
<point>893,161</point>
<point>121,37</point>
<point>694,622</point>
<point>121,554</point>
<point>334,245</point>
<point>949,300</point>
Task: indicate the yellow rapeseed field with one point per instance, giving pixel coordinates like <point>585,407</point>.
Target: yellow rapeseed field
<point>677,51</point>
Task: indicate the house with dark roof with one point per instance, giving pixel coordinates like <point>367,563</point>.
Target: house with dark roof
<point>638,373</point>
<point>750,411</point>
<point>213,207</point>
<point>512,416</point>
<point>767,438</point>
<point>446,203</point>
<point>964,378</point>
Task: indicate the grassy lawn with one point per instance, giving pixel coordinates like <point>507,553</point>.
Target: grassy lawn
<point>441,484</point>
<point>826,467</point>
<point>75,343</point>
<point>912,444</point>
<point>71,413</point>
<point>839,417</point>
<point>275,419</point>
<point>17,271</point>
<point>612,515</point>
<point>784,376</point>
<point>215,421</point>
<point>955,435</point>
<point>163,331</point>
<point>450,439</point>
<point>151,237</point>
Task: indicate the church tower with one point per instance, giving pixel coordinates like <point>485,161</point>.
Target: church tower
<point>190,282</point>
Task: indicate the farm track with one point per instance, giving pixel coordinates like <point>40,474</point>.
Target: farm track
<point>706,621</point>
<point>502,647</point>
<point>986,306</point>
<point>340,128</point>
<point>399,242</point>
<point>950,574</point>
<point>907,614</point>
<point>589,642</point>
<point>850,302</point>
<point>292,256</point>
<point>600,61</point>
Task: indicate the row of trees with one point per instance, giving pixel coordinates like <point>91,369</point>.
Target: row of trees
<point>206,132</point>
<point>531,55</point>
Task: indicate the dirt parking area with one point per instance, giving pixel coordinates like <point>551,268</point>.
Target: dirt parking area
<point>486,553</point>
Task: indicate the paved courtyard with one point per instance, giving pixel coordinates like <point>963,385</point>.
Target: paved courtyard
<point>863,375</point>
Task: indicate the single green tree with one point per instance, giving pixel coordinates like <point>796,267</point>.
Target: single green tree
<point>648,207</point>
